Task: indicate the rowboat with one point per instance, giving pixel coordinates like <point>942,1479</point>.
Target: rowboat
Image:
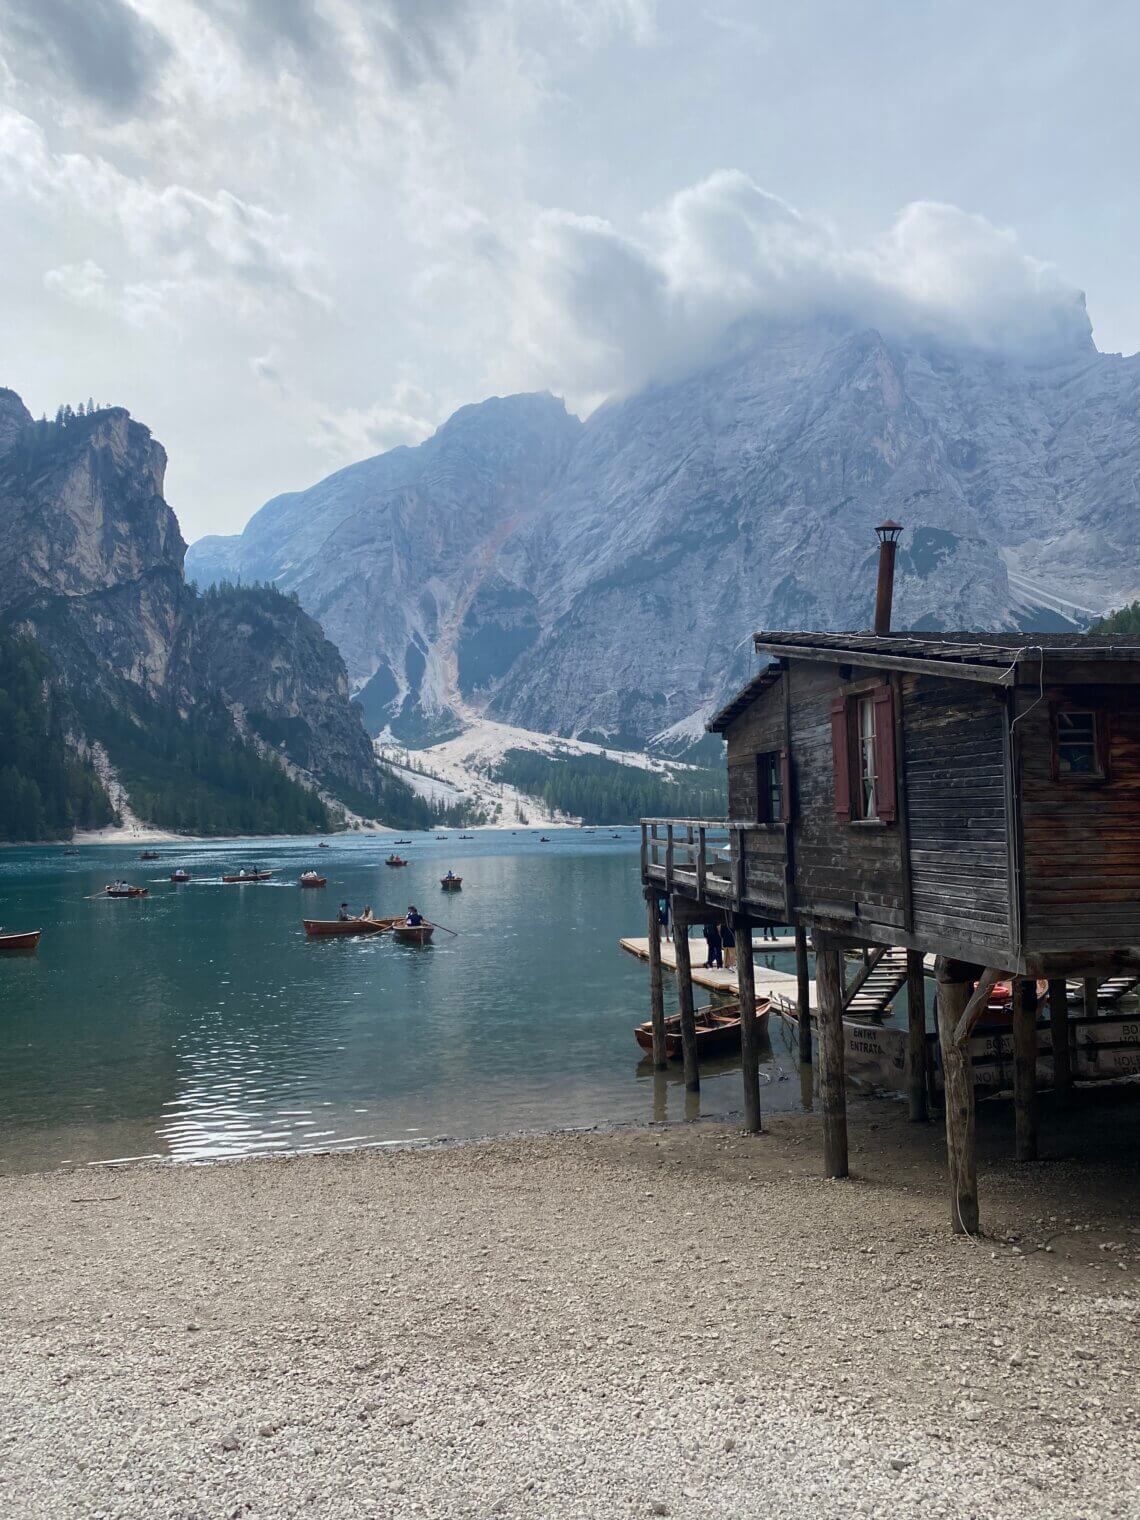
<point>311,879</point>
<point>149,855</point>
<point>451,883</point>
<point>413,934</point>
<point>401,841</point>
<point>327,928</point>
<point>241,876</point>
<point>322,845</point>
<point>126,891</point>
<point>180,876</point>
<point>543,839</point>
<point>27,941</point>
<point>718,1030</point>
<point>395,860</point>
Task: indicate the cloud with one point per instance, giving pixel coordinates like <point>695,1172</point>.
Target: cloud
<point>597,311</point>
<point>102,49</point>
<point>346,435</point>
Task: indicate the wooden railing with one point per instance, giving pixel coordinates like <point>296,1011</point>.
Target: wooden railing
<point>696,853</point>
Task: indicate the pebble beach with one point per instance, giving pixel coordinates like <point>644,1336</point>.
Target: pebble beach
<point>672,1321</point>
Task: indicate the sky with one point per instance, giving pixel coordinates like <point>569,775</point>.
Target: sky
<point>288,234</point>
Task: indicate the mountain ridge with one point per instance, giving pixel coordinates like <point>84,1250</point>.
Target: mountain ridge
<point>619,565</point>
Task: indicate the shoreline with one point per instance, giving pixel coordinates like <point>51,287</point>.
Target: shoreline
<point>670,1320</point>
<point>89,837</point>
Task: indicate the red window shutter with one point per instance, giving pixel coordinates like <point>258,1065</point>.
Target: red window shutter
<point>785,786</point>
<point>841,758</point>
<point>886,786</point>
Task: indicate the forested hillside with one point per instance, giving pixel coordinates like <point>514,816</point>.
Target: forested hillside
<point>45,790</point>
<point>1123,620</point>
<point>599,790</point>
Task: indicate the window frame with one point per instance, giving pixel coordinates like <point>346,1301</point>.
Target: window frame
<point>847,753</point>
<point>772,765</point>
<point>1101,739</point>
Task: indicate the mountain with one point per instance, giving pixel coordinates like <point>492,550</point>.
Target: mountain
<point>228,711</point>
<point>605,577</point>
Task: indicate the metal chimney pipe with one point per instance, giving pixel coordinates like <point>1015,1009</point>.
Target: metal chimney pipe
<point>888,535</point>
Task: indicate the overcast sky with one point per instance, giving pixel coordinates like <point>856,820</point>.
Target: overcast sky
<point>290,233</point>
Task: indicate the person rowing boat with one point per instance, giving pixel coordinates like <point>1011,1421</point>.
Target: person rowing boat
<point>414,918</point>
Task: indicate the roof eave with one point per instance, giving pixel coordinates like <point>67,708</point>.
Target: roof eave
<point>989,675</point>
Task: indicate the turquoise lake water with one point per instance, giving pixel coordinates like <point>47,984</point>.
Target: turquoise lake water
<point>200,1022</point>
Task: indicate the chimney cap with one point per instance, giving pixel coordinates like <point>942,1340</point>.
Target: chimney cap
<point>889,531</point>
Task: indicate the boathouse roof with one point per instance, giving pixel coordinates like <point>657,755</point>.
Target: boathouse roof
<point>993,658</point>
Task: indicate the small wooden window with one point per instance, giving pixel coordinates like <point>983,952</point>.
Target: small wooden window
<point>772,786</point>
<point>1080,744</point>
<point>863,750</point>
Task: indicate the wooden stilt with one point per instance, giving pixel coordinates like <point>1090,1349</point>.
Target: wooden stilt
<point>656,985</point>
<point>749,1038</point>
<point>1059,1031</point>
<point>958,1085</point>
<point>803,1000</point>
<point>833,1097</point>
<point>1092,1002</point>
<point>1025,1069</point>
<point>685,995</point>
<point>916,1036</point>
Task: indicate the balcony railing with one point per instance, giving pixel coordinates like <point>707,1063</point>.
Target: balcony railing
<point>716,861</point>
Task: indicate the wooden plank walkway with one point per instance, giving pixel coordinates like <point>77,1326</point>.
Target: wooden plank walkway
<point>768,983</point>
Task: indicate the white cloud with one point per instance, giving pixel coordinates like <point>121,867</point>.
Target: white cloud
<point>596,310</point>
<point>349,434</point>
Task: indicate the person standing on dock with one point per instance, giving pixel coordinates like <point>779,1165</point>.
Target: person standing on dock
<point>663,915</point>
<point>728,941</point>
<point>769,931</point>
<point>713,946</point>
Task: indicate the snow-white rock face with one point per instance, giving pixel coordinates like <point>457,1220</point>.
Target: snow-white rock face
<point>607,576</point>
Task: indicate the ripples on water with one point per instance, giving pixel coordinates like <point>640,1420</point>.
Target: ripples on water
<point>201,1022</point>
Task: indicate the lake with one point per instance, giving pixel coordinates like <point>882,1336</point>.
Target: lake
<point>201,1022</point>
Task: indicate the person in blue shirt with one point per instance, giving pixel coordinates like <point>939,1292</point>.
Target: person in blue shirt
<point>414,918</point>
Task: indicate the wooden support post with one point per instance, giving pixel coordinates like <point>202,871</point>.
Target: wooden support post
<point>656,984</point>
<point>749,1036</point>
<point>1025,1069</point>
<point>832,1094</point>
<point>916,1036</point>
<point>685,995</point>
<point>1092,1002</point>
<point>958,1084</point>
<point>803,1000</point>
<point>1059,1031</point>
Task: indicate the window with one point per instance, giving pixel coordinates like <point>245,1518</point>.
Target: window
<point>770,788</point>
<point>863,750</point>
<point>1079,747</point>
<point>868,761</point>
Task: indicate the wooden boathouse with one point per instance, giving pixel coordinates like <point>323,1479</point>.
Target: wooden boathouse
<point>973,797</point>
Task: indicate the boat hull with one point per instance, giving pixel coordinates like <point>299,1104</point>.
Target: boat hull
<point>240,881</point>
<point>27,941</point>
<point>718,1030</point>
<point>454,885</point>
<point>412,934</point>
<point>134,892</point>
<point>319,881</point>
<point>334,928</point>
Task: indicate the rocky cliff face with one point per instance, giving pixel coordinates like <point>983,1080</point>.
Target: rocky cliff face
<point>91,562</point>
<point>608,576</point>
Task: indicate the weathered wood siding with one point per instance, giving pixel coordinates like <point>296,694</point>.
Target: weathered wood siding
<point>956,768</point>
<point>757,731</point>
<point>1081,839</point>
<point>855,867</point>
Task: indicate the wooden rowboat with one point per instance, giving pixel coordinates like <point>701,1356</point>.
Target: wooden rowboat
<point>451,883</point>
<point>327,928</point>
<point>126,892</point>
<point>149,855</point>
<point>311,879</point>
<point>718,1030</point>
<point>27,941</point>
<point>241,876</point>
<point>180,876</point>
<point>395,860</point>
<point>413,934</point>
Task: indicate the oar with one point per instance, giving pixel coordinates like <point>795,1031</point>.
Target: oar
<point>444,927</point>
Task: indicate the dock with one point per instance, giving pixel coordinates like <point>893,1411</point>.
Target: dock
<point>779,985</point>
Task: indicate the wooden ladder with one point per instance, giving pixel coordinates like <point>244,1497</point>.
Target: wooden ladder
<point>1111,990</point>
<point>881,979</point>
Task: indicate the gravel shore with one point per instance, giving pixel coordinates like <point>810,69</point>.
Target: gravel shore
<point>678,1321</point>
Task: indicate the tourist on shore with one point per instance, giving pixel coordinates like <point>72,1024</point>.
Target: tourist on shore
<point>769,931</point>
<point>713,946</point>
<point>728,942</point>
